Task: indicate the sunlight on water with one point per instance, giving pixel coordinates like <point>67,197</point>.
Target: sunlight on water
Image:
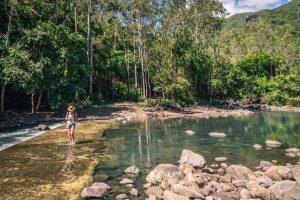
<point>12,138</point>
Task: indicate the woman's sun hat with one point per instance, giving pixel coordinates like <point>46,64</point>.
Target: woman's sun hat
<point>71,108</point>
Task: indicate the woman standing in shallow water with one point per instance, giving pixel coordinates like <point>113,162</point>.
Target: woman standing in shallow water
<point>71,118</point>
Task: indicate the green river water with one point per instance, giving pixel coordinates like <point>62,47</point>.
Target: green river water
<point>151,142</point>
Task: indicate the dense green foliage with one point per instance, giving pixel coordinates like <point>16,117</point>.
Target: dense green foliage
<point>177,52</point>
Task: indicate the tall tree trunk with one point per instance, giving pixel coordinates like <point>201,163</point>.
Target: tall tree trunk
<point>38,105</point>
<point>142,58</point>
<point>32,103</point>
<point>127,66</point>
<point>135,67</point>
<point>89,47</point>
<point>2,98</point>
<point>142,71</point>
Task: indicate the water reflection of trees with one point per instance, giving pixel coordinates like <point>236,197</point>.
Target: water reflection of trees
<point>283,127</point>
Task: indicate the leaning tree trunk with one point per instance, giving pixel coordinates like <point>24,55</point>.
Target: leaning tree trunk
<point>32,103</point>
<point>38,105</point>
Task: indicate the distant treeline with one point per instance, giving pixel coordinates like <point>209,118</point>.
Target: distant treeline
<point>176,52</point>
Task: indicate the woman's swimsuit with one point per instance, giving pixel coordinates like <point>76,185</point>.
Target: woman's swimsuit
<point>70,123</point>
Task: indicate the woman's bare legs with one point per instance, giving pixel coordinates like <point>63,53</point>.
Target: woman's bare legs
<point>73,134</point>
<point>70,135</point>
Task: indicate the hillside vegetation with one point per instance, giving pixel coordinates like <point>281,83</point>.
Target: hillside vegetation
<point>172,53</point>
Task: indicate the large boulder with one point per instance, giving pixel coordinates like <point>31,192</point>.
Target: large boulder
<point>185,191</point>
<point>163,172</point>
<point>287,190</point>
<point>133,170</point>
<point>278,173</point>
<point>217,134</point>
<point>168,195</point>
<point>273,144</point>
<point>265,181</point>
<point>191,158</point>
<point>96,190</point>
<point>238,171</point>
<point>258,191</point>
<point>296,173</point>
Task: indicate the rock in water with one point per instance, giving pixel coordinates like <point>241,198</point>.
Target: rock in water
<point>220,159</point>
<point>217,134</point>
<point>134,192</point>
<point>43,127</point>
<point>126,181</point>
<point>121,197</point>
<point>96,190</point>
<point>168,195</point>
<point>273,144</point>
<point>191,158</point>
<point>163,172</point>
<point>257,146</point>
<point>189,132</point>
<point>133,170</point>
<point>155,190</point>
<point>238,171</point>
<point>287,190</point>
<point>292,152</point>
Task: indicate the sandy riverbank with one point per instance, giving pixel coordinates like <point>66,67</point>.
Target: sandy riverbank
<point>46,168</point>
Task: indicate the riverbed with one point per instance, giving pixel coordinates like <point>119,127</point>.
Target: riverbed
<point>150,142</point>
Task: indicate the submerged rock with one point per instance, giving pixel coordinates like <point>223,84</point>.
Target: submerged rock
<point>134,192</point>
<point>273,144</point>
<point>121,197</point>
<point>133,170</point>
<point>96,190</point>
<point>126,181</point>
<point>238,171</point>
<point>257,146</point>
<point>163,172</point>
<point>220,159</point>
<point>292,152</point>
<point>190,132</point>
<point>217,134</point>
<point>191,158</point>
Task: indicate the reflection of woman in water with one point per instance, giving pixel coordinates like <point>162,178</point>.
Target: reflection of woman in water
<point>71,118</point>
<point>66,170</point>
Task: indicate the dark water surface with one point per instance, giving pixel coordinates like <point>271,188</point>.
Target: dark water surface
<point>148,143</point>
